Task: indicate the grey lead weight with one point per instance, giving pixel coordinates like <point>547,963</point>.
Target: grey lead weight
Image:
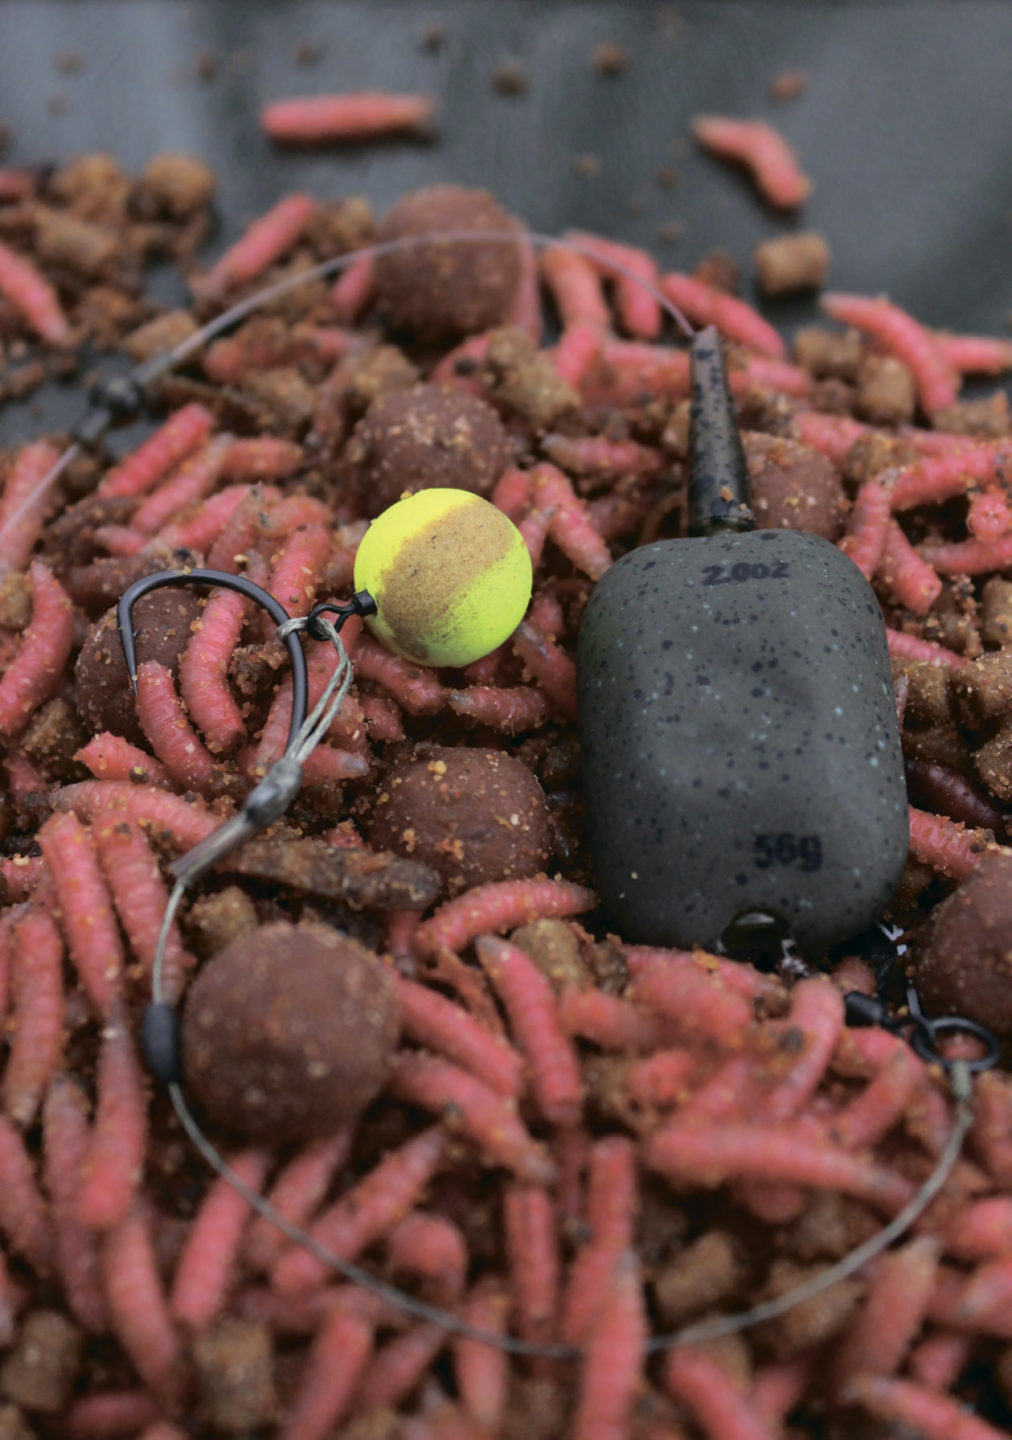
<point>739,740</point>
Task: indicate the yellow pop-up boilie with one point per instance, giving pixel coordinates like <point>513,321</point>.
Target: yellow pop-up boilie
<point>450,575</point>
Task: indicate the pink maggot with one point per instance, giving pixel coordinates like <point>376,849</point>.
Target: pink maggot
<point>500,905</point>
<point>86,914</point>
<point>507,709</point>
<point>716,1401</point>
<point>139,894</point>
<point>36,670</point>
<point>32,296</point>
<point>867,527</point>
<point>184,822</point>
<point>64,1149</point>
<point>115,1159</point>
<point>975,354</point>
<point>267,239</point>
<point>533,1251</point>
<point>937,477</point>
<point>297,569</point>
<point>481,1371</point>
<point>693,1000</point>
<point>352,291</point>
<point>178,437</point>
<point>597,455</point>
<point>531,1010</point>
<point>261,457</point>
<point>109,1415</point>
<point>878,1339</point>
<point>906,574</point>
<point>295,1194</point>
<point>433,1248</point>
<point>612,1022</point>
<point>401,1366</point>
<point>884,1101</point>
<point>137,1304</point>
<point>735,319</point>
<point>310,119</point>
<point>904,1402</point>
<point>201,525</point>
<point>25,503</point>
<point>570,526</point>
<point>364,1213</point>
<point>938,1360</point>
<point>636,279</point>
<point>331,1374</point>
<point>945,845</point>
<point>550,665</point>
<point>37,992</point>
<point>203,671</point>
<point>762,150</point>
<point>110,757</point>
<point>687,1153</point>
<point>209,1258</point>
<point>634,372</point>
<point>192,481</point>
<point>831,435</point>
<point>912,647</point>
<point>430,1019</point>
<point>612,1206</point>
<point>817,1013</point>
<point>902,336</point>
<point>467,1105</point>
<point>968,557</point>
<point>413,687</point>
<point>24,1215</point>
<point>575,287</point>
<point>612,1371</point>
<point>169,732</point>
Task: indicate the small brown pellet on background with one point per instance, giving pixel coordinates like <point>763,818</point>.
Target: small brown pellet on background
<point>40,1370</point>
<point>886,394</point>
<point>609,58</point>
<point>792,262</point>
<point>828,354</point>
<point>996,611</point>
<point>510,78</point>
<point>788,85</point>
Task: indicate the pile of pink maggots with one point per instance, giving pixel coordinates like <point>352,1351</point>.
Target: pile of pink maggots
<point>583,1143</point>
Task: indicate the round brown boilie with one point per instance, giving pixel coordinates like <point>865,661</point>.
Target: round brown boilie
<point>793,487</point>
<point>474,815</point>
<point>423,438</point>
<point>289,1033</point>
<point>162,622</point>
<point>963,954</point>
<point>443,289</point>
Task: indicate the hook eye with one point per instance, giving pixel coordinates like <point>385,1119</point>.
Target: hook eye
<point>361,603</point>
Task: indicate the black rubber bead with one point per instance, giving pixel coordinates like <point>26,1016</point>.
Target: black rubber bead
<point>864,1010</point>
<point>161,1040</point>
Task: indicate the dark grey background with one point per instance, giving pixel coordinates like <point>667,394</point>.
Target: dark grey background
<point>904,127</point>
